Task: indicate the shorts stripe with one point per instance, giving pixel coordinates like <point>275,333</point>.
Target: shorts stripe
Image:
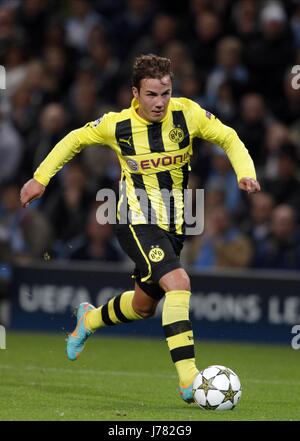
<point>185,171</point>
<point>143,279</point>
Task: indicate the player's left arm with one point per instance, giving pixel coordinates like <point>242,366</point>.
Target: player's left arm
<point>213,130</point>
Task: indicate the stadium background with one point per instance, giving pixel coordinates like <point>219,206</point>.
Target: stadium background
<point>68,62</point>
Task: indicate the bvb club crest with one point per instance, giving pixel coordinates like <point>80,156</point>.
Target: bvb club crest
<point>132,164</point>
<point>156,254</point>
<point>176,135</point>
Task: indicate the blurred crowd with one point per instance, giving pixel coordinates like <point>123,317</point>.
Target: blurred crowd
<point>68,62</point>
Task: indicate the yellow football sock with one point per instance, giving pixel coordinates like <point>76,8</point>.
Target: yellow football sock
<point>118,310</point>
<point>179,335</point>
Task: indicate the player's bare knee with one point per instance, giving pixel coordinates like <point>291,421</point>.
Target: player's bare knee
<point>184,283</point>
<point>176,281</point>
<point>145,312</point>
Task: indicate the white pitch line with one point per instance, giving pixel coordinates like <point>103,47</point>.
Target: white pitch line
<point>84,371</point>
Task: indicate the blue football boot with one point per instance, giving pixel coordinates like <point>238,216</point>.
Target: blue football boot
<point>186,393</point>
<point>76,340</point>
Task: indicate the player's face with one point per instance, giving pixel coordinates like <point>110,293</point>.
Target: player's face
<point>153,97</point>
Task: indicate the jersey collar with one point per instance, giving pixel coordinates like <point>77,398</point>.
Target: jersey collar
<point>134,106</point>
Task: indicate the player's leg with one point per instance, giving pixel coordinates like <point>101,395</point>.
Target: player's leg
<point>143,303</point>
<point>117,310</point>
<point>120,308</point>
<point>159,261</point>
<point>178,328</point>
<point>125,308</point>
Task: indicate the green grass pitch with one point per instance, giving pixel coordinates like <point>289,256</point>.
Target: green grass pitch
<point>129,379</point>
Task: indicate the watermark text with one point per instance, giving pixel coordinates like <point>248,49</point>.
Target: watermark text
<point>295,343</point>
<point>296,78</point>
<point>2,337</point>
<point>2,77</point>
<point>170,207</point>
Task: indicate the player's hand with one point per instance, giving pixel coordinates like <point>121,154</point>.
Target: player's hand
<point>249,185</point>
<point>30,191</point>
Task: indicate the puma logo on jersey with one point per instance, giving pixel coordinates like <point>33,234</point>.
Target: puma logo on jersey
<point>127,141</point>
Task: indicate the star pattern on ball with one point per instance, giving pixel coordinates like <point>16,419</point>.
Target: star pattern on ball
<point>207,385</point>
<point>209,406</point>
<point>229,394</point>
<point>226,372</point>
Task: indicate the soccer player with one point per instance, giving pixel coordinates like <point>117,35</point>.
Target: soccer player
<point>153,141</point>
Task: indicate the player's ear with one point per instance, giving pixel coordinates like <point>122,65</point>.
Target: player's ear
<point>135,92</point>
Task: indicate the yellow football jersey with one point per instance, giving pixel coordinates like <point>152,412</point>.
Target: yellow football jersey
<point>154,157</point>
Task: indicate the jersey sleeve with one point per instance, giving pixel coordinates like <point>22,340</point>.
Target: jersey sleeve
<point>211,129</point>
<point>93,133</point>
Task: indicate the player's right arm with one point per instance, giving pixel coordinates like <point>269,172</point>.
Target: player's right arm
<point>92,133</point>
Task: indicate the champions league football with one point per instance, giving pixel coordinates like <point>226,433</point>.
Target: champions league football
<point>217,388</point>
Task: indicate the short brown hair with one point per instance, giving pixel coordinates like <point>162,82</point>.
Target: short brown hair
<point>150,66</point>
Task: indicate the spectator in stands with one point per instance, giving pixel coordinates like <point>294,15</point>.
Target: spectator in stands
<point>97,243</point>
<point>285,187</point>
<point>191,87</point>
<point>32,17</point>
<point>52,126</point>
<point>221,245</point>
<point>252,125</point>
<point>244,16</point>
<point>15,62</point>
<point>80,22</point>
<point>222,176</point>
<point>225,107</point>
<point>277,134</point>
<point>163,31</point>
<point>288,108</point>
<point>295,24</point>
<point>105,68</point>
<point>281,250</point>
<point>84,104</point>
<point>23,234</point>
<point>22,111</point>
<point>55,33</point>
<point>182,63</point>
<point>131,24</point>
<point>58,67</point>
<point>9,29</point>
<point>11,150</point>
<point>268,56</point>
<point>257,224</point>
<point>204,43</point>
<point>67,209</point>
<point>39,85</point>
<point>228,67</point>
<point>214,196</point>
<point>123,97</point>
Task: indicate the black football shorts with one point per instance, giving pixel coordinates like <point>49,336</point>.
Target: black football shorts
<point>154,251</point>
